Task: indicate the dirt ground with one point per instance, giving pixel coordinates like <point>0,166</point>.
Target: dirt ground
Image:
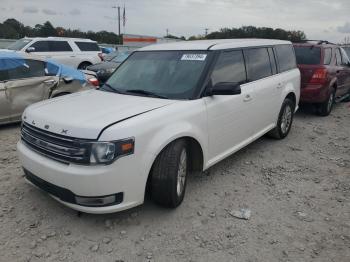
<point>297,189</point>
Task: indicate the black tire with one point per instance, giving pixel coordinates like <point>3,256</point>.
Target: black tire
<point>165,173</point>
<point>325,108</point>
<point>282,129</point>
<point>348,98</point>
<point>84,65</point>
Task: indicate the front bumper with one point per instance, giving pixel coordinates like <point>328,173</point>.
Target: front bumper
<point>314,94</point>
<point>123,176</point>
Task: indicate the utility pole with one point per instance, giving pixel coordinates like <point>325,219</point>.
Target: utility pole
<point>206,31</point>
<point>119,36</point>
<point>167,32</point>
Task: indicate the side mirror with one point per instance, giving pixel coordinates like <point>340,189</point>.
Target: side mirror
<point>30,49</point>
<point>68,79</point>
<point>224,88</point>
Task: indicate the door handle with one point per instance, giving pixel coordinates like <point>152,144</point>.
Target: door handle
<point>72,56</point>
<point>247,98</point>
<point>50,82</point>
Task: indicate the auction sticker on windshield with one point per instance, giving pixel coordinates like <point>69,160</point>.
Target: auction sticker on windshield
<point>194,57</point>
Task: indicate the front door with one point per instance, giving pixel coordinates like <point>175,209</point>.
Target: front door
<point>229,116</point>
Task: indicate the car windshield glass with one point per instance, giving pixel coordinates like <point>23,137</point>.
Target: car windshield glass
<point>308,55</point>
<point>120,57</point>
<point>347,50</point>
<point>19,44</point>
<point>110,56</point>
<point>169,74</point>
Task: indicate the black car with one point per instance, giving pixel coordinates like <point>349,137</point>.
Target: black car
<point>105,69</point>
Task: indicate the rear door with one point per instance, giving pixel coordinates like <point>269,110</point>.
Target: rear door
<point>265,90</point>
<point>342,73</point>
<point>346,66</point>
<point>28,84</point>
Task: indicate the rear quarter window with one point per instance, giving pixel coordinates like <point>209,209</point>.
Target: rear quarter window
<point>308,55</point>
<point>285,57</point>
<point>87,46</point>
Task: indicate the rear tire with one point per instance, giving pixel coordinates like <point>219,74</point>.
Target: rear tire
<point>325,108</point>
<point>84,65</point>
<point>285,120</point>
<point>169,175</point>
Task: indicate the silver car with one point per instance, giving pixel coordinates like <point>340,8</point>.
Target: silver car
<point>25,80</point>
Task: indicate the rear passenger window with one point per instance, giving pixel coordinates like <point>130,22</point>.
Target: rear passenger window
<point>272,60</point>
<point>87,46</point>
<point>229,68</point>
<point>285,57</point>
<point>258,63</point>
<point>59,46</point>
<point>327,56</point>
<point>41,46</point>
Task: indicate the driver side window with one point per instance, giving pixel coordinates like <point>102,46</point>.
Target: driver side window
<point>31,68</point>
<point>229,68</point>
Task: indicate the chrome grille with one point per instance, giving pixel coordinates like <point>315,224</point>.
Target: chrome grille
<point>60,148</point>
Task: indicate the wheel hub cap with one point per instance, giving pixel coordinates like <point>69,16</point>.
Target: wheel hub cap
<point>181,173</point>
<point>286,119</point>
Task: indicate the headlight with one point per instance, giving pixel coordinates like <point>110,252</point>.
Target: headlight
<point>107,152</point>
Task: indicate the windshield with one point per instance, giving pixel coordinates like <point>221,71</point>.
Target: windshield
<point>168,74</point>
<point>347,50</point>
<point>308,55</point>
<point>120,57</point>
<point>110,56</point>
<point>19,44</point>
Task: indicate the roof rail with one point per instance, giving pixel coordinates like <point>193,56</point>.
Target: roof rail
<point>318,42</point>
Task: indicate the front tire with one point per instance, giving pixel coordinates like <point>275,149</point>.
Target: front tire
<point>285,120</point>
<point>169,175</point>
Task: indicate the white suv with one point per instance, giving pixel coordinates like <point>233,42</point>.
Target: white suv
<point>76,52</point>
<point>168,110</point>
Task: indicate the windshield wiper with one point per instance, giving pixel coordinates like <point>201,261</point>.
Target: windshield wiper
<point>111,88</point>
<point>144,92</point>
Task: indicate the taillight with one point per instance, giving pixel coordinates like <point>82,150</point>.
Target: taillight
<point>94,81</point>
<point>319,76</point>
<point>100,55</point>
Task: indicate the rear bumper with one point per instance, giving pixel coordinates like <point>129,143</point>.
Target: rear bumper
<point>314,94</point>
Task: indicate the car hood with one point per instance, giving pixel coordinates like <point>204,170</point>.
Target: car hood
<point>86,114</point>
<point>104,65</point>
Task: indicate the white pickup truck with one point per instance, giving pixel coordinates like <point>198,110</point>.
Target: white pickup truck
<point>168,110</point>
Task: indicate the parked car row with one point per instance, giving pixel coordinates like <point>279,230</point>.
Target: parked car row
<point>166,110</point>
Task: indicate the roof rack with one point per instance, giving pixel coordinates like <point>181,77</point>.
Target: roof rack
<point>318,42</point>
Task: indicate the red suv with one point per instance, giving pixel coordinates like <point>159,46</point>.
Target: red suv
<point>325,74</point>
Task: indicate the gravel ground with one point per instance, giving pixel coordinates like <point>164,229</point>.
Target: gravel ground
<point>298,192</point>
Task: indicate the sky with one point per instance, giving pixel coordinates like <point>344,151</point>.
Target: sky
<point>319,19</point>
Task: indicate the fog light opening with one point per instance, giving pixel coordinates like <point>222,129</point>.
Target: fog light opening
<point>96,201</point>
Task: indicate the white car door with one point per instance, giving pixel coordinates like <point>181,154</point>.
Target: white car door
<point>230,120</point>
<point>265,87</point>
